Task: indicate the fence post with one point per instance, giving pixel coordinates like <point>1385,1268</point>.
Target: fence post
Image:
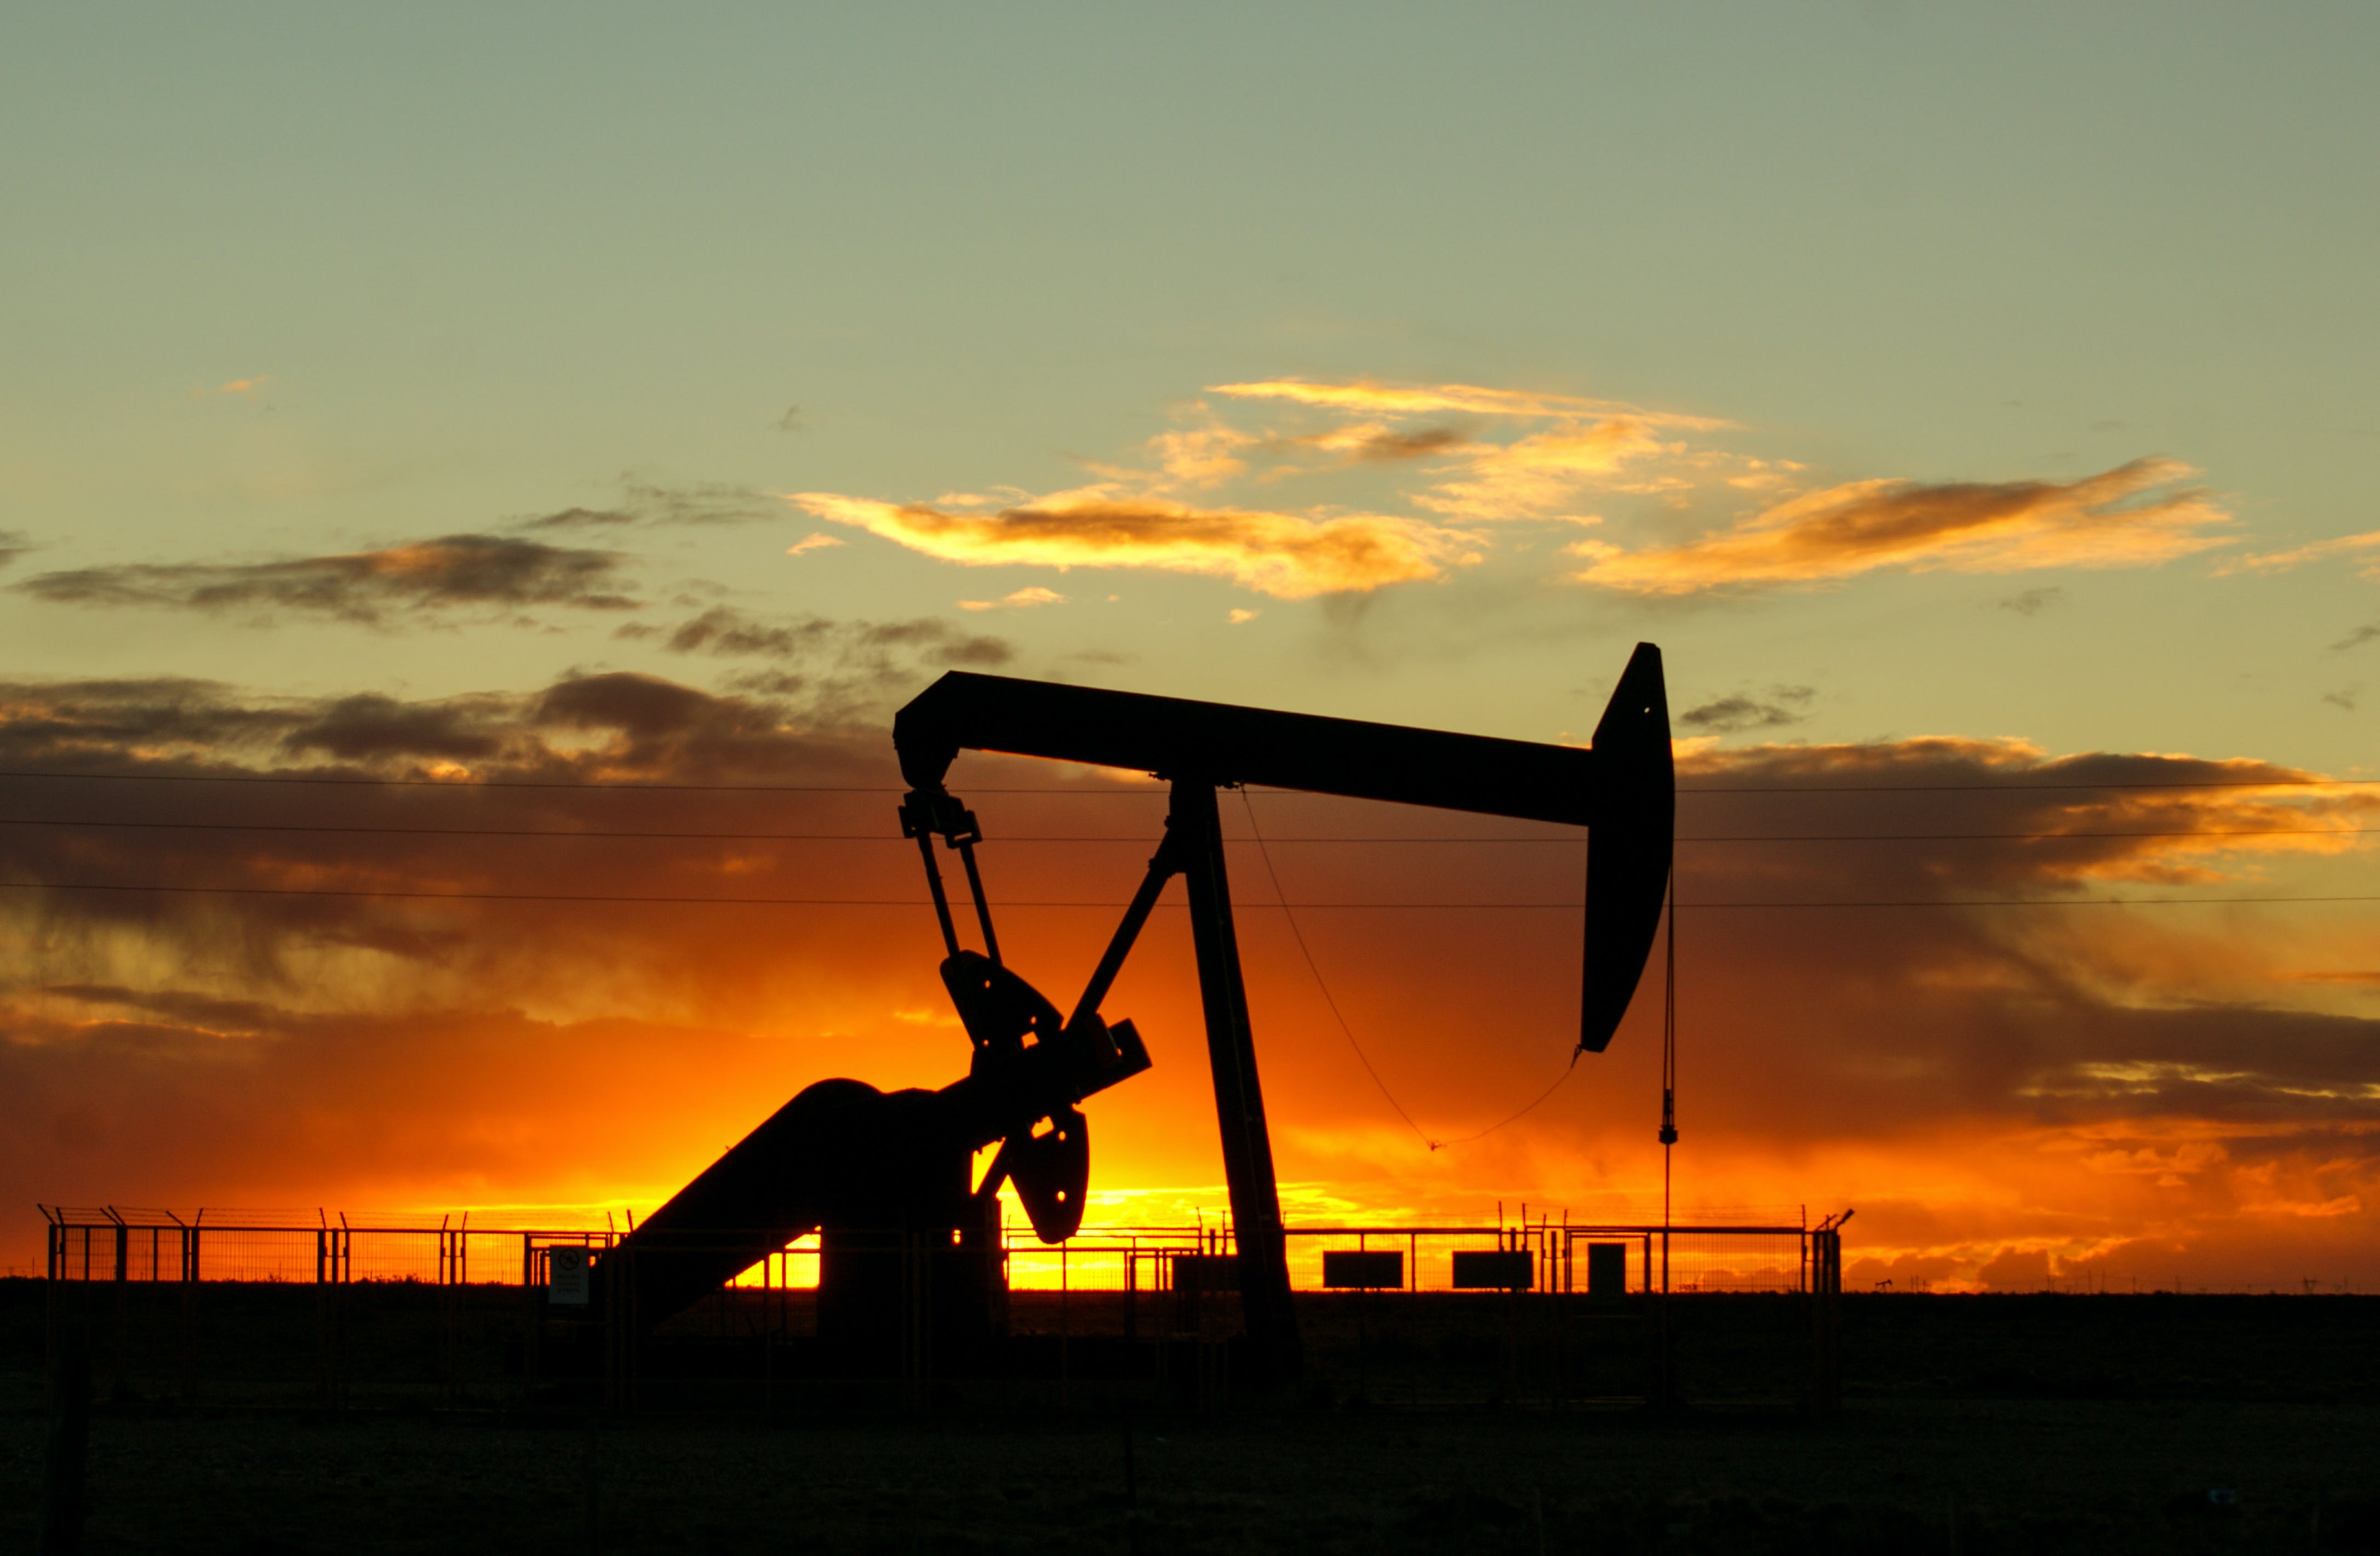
<point>1825,1319</point>
<point>189,1241</point>
<point>321,1321</point>
<point>62,1486</point>
<point>1827,1314</point>
<point>619,1325</point>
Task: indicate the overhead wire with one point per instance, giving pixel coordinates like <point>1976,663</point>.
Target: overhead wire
<point>1138,838</point>
<point>1319,983</point>
<point>402,893</point>
<point>556,785</point>
<point>1263,845</point>
<point>470,785</point>
<point>1349,1032</point>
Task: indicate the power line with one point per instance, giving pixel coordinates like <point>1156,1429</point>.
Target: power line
<point>1520,1112</point>
<point>1328,998</point>
<point>402,893</point>
<point>2029,902</point>
<point>2025,836</point>
<point>1149,792</point>
<point>1142,838</point>
<point>2023,787</point>
<point>1349,1032</point>
<point>480,785</point>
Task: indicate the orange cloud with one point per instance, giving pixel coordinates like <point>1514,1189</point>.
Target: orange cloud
<point>1285,555</point>
<point>2128,517</point>
<point>1482,455</point>
<point>1375,398</point>
<point>2366,546</point>
<point>1376,442</point>
<point>1537,474</point>
<point>1489,478</point>
<point>1018,600</point>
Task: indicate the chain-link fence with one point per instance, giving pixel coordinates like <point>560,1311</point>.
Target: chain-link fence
<point>254,1308</point>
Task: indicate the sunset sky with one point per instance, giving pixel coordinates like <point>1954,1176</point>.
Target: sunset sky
<point>1976,402</point>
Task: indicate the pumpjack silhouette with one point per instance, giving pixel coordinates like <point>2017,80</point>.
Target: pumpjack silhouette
<point>884,1177</point>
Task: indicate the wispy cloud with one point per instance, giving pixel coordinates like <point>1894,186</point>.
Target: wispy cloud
<point>1370,396</point>
<point>1288,555</point>
<point>817,539</point>
<point>1728,715</point>
<point>869,651</point>
<point>2133,515</point>
<point>1297,488</point>
<point>454,571</point>
<point>2033,601</point>
<point>2364,548</point>
<point>2357,638</point>
<point>1543,453</point>
<point>1017,599</point>
<point>234,388</point>
<point>1541,475</point>
<point>660,503</point>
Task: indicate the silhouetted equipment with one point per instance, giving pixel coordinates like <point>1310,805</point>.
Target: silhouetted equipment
<point>883,1178</point>
<point>1204,1274</point>
<point>1363,1270</point>
<point>1607,1270</point>
<point>1494,1270</point>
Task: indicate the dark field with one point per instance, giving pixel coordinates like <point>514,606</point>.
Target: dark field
<point>2014,1423</point>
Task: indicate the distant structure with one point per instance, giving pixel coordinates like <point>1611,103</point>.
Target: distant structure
<point>884,1177</point>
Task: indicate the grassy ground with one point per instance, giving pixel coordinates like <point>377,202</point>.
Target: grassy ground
<point>1971,1425</point>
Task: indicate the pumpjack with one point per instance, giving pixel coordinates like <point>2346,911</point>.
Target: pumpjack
<point>883,1178</point>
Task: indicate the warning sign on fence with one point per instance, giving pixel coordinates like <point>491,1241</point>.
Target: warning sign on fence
<point>565,1277</point>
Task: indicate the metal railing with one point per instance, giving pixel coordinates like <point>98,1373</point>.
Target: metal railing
<point>112,1243</point>
<point>190,1298</point>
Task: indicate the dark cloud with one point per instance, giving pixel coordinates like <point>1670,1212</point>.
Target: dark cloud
<point>452,572</point>
<point>369,726</point>
<point>1388,447</point>
<point>2343,699</point>
<point>793,420</point>
<point>1726,715</point>
<point>654,502</point>
<point>14,543</point>
<point>2033,601</point>
<point>66,722</point>
<point>937,642</point>
<point>2356,639</point>
<point>847,659</point>
<point>2095,1070</point>
<point>726,631</point>
<point>182,1045</point>
<point>582,518</point>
